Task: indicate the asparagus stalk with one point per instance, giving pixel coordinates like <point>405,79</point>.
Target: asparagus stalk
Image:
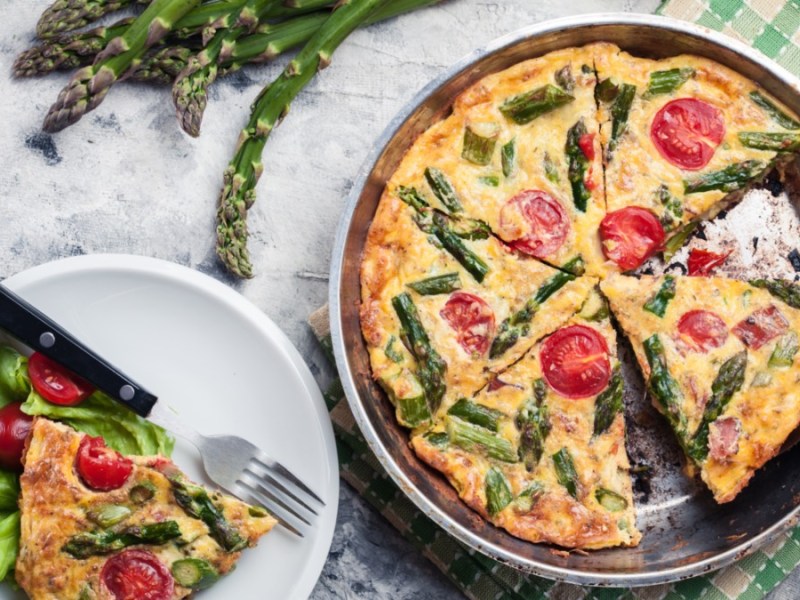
<point>68,15</point>
<point>244,170</point>
<point>162,65</point>
<point>480,140</point>
<point>620,111</point>
<point>664,388</point>
<point>534,426</point>
<point>678,239</point>
<point>198,504</point>
<point>785,351</point>
<point>666,82</point>
<point>729,179</point>
<point>443,189</point>
<point>728,381</point>
<point>67,51</point>
<point>440,284</point>
<point>661,299</point>
<point>524,108</point>
<point>508,157</point>
<point>608,404</point>
<point>565,471</point>
<point>564,78</point>
<point>784,290</point>
<point>85,545</point>
<point>408,397</point>
<point>780,117</point>
<point>477,414</point>
<point>498,492</point>
<point>578,165</point>
<point>777,142</point>
<point>89,85</point>
<point>478,439</point>
<point>609,500</point>
<point>431,366</point>
<point>453,244</point>
<point>607,90</point>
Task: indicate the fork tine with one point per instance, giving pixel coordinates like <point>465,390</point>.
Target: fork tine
<point>269,463</point>
<point>258,488</point>
<point>259,473</point>
<point>249,496</point>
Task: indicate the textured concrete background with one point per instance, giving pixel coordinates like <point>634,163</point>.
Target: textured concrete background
<point>125,179</point>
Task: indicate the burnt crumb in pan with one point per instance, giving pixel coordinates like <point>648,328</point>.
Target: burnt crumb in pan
<point>755,243</point>
<point>794,258</point>
<point>772,183</point>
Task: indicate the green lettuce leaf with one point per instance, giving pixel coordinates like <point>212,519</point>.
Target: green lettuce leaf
<point>14,382</point>
<point>9,542</point>
<point>9,491</point>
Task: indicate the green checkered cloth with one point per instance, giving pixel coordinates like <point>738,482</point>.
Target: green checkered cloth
<point>772,26</point>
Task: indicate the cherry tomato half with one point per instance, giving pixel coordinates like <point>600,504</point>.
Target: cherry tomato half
<point>535,222</point>
<point>137,575</point>
<point>702,262</point>
<point>702,330</point>
<point>15,426</point>
<point>630,236</point>
<point>472,319</point>
<point>586,144</point>
<point>56,384</point>
<point>761,326</point>
<point>575,362</point>
<point>100,467</point>
<point>686,132</point>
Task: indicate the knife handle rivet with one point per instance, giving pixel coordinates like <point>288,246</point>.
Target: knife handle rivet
<point>126,392</point>
<point>47,339</point>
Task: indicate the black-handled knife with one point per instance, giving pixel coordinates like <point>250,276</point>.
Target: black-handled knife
<point>36,330</point>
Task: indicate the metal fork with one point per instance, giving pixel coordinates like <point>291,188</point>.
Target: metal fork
<point>231,462</point>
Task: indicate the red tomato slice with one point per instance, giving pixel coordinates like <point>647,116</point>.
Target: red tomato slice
<point>472,319</point>
<point>575,362</point>
<point>137,575</point>
<point>687,131</point>
<point>702,330</point>
<point>586,144</point>
<point>630,236</point>
<point>702,262</point>
<point>100,467</point>
<point>535,223</point>
<point>15,426</point>
<point>56,384</point>
<point>763,325</point>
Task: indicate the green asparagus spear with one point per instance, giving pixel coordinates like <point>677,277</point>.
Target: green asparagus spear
<point>664,387</point>
<point>490,180</point>
<point>477,414</point>
<point>773,111</point>
<point>564,78</point>
<point>244,170</point>
<point>498,492</point>
<point>443,189</point>
<point>565,471</point>
<point>84,545</point>
<point>480,140</point>
<point>659,302</point>
<point>673,208</point>
<point>89,86</point>
<point>108,515</point>
<point>407,395</point>
<point>67,51</point>
<point>608,404</point>
<point>785,351</point>
<point>67,15</point>
<point>524,108</point>
<point>777,142</point>
<point>533,422</point>
<point>729,179</point>
<point>729,380</point>
<point>678,239</point>
<point>465,228</point>
<point>162,65</point>
<point>517,325</point>
<point>550,169</point>
<point>508,156</point>
<point>528,498</point>
<point>619,116</point>
<point>607,90</point>
<point>451,242</point>
<point>440,439</point>
<point>198,504</point>
<point>784,290</point>
<point>439,284</point>
<point>666,82</point>
<point>194,573</point>
<point>431,366</point>
<point>609,500</point>
<point>479,439</point>
<point>578,165</point>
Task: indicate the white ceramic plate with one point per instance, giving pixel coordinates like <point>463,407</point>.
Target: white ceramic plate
<point>225,367</point>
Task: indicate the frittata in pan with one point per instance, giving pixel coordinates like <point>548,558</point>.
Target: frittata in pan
<point>98,525</point>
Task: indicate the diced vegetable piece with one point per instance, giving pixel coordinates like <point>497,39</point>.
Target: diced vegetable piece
<point>565,471</point>
<point>550,169</point>
<point>729,179</point>
<point>595,308</point>
<point>477,414</point>
<point>391,351</point>
<point>490,180</point>
<point>780,117</point>
<point>777,142</point>
<point>564,78</point>
<point>194,573</point>
<point>619,115</point>
<point>439,439</point>
<point>762,379</point>
<point>608,403</point>
<point>498,492</point>
<point>607,90</point>
<point>529,497</point>
<point>578,166</point>
<point>524,108</point>
<point>108,515</point>
<point>666,82</point>
<point>257,512</point>
<point>439,284</point>
<point>609,500</point>
<point>534,425</point>
<point>659,302</point>
<point>443,189</point>
<point>479,439</point>
<point>678,239</point>
<point>479,142</point>
<point>508,158</point>
<point>785,350</point>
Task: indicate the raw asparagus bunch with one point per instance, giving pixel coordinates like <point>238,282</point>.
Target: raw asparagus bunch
<point>69,15</point>
<point>244,170</point>
<point>89,85</point>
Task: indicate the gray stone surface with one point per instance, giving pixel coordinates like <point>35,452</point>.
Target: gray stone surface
<point>126,180</point>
